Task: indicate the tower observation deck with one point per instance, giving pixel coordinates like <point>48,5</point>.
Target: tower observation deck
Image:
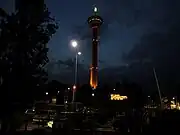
<point>94,21</point>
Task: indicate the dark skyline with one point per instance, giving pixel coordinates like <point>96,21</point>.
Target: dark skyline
<point>133,30</point>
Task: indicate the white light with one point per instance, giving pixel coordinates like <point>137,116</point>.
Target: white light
<point>46,93</point>
<point>79,53</point>
<point>66,102</point>
<point>58,91</point>
<point>95,9</point>
<point>173,98</point>
<point>74,43</point>
<point>114,89</point>
<point>93,94</point>
<point>74,87</point>
<point>68,88</point>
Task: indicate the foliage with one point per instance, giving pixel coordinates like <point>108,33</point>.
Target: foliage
<point>16,120</point>
<point>84,95</point>
<point>24,36</point>
<point>89,124</point>
<point>23,49</point>
<point>135,95</point>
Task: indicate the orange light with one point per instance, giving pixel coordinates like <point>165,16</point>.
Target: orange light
<point>93,79</point>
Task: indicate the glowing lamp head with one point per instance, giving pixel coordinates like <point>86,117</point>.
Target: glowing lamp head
<point>79,53</point>
<point>74,43</point>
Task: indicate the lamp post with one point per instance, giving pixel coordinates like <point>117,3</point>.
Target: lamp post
<point>75,45</point>
<point>157,83</point>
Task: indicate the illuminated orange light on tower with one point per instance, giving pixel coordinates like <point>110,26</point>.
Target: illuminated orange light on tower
<point>93,78</point>
<point>95,21</point>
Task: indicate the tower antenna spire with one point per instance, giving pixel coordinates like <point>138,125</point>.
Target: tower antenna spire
<point>95,9</point>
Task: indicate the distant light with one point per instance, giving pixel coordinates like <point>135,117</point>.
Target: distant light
<point>47,93</point>
<point>58,91</point>
<point>95,9</point>
<point>93,94</point>
<point>74,87</point>
<point>173,98</point>
<point>50,123</point>
<point>79,53</point>
<point>118,97</point>
<point>68,88</point>
<point>148,96</point>
<point>26,111</point>
<point>114,89</point>
<point>66,102</point>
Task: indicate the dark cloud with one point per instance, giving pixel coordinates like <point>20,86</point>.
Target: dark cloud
<point>161,49</point>
<point>158,22</point>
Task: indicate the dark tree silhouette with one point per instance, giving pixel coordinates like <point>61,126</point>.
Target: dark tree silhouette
<point>84,94</point>
<point>62,89</point>
<point>135,95</point>
<point>23,52</point>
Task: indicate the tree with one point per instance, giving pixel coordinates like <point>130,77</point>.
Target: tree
<point>84,95</point>
<point>23,51</point>
<point>135,95</point>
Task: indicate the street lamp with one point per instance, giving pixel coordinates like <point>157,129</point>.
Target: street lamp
<point>79,53</point>
<point>75,45</point>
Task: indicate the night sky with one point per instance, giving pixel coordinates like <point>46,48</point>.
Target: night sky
<point>132,30</point>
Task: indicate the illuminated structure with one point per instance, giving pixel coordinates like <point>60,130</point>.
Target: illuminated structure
<point>94,21</point>
<point>118,97</point>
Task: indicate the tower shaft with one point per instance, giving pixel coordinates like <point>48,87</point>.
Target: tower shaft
<point>94,21</point>
<point>94,65</point>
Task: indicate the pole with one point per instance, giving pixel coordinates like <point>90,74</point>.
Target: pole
<point>75,77</point>
<point>157,83</point>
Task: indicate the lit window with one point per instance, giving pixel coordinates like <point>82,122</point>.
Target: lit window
<point>118,97</point>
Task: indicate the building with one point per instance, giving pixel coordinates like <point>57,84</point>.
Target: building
<point>94,21</point>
